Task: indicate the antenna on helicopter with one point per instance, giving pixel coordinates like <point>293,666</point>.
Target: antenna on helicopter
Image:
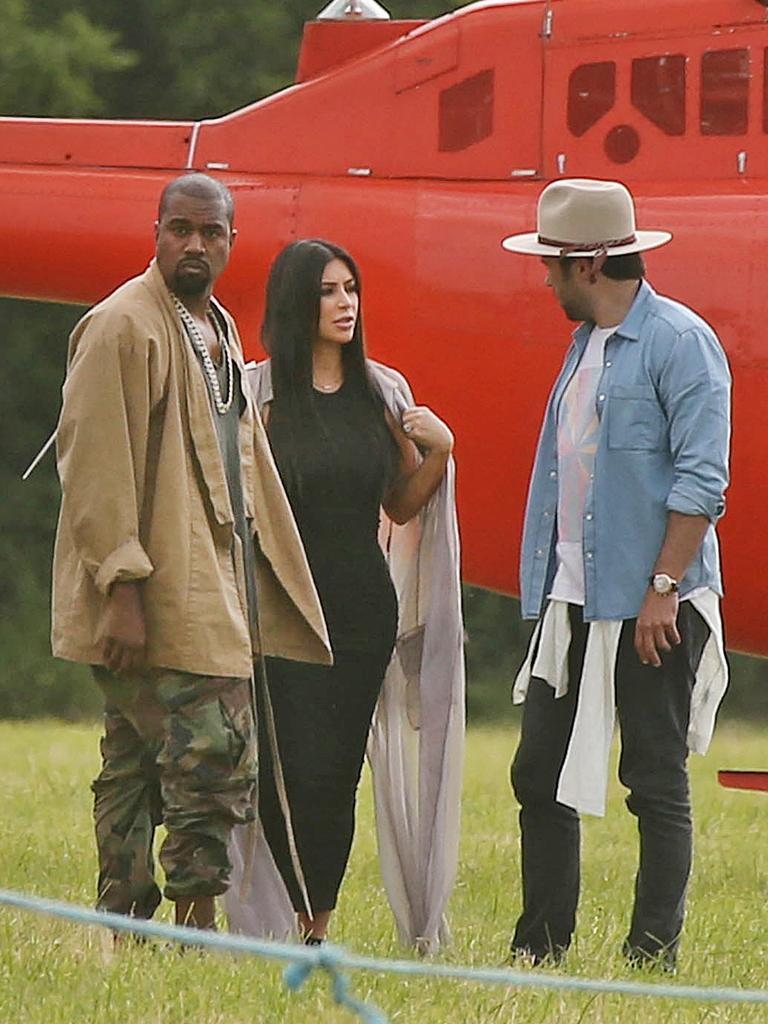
<point>353,10</point>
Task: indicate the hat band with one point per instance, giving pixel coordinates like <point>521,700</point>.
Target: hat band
<point>568,247</point>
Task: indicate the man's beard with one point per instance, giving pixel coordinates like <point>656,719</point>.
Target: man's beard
<point>190,285</point>
<point>575,313</point>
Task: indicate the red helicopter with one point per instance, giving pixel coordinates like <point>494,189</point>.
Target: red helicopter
<point>418,145</point>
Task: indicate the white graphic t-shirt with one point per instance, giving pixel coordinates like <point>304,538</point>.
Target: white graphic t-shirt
<point>577,434</point>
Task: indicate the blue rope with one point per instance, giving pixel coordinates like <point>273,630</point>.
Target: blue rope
<point>330,958</point>
<point>303,960</point>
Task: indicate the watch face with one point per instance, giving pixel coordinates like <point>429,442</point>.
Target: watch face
<point>662,583</point>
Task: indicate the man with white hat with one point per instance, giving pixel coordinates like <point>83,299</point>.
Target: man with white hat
<point>620,566</point>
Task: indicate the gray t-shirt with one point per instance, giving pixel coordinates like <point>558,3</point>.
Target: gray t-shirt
<point>228,433</point>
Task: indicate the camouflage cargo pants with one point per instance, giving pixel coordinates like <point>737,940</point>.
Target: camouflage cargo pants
<point>178,749</point>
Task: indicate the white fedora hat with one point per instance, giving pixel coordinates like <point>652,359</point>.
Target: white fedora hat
<point>585,217</point>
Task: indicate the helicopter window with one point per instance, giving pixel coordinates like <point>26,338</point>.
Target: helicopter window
<point>724,92</point>
<point>466,112</point>
<point>658,91</point>
<point>591,94</point>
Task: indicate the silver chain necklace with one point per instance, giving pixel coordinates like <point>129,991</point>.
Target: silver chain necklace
<point>198,341</point>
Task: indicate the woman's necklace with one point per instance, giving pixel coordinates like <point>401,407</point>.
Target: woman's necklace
<point>333,385</point>
<point>198,341</point>
<point>327,387</point>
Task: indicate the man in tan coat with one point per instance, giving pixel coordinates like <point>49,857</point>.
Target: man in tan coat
<point>173,518</point>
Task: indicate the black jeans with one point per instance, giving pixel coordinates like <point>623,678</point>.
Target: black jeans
<point>653,710</point>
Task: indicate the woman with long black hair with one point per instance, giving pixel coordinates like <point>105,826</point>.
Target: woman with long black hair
<point>343,456</point>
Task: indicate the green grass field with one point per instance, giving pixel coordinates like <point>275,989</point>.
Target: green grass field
<point>60,973</point>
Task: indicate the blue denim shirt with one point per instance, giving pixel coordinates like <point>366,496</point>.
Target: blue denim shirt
<point>664,407</point>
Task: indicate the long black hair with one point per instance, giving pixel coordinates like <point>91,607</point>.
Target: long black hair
<point>291,321</point>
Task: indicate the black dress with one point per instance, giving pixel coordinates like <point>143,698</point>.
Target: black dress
<point>323,714</point>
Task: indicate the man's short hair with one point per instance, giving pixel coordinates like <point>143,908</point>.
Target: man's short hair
<point>629,267</point>
<point>201,186</point>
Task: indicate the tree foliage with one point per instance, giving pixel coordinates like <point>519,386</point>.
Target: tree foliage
<point>183,58</point>
<point>55,67</point>
<point>34,349</point>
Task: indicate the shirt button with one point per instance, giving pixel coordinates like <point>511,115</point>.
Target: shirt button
<point>589,517</point>
<point>589,555</point>
<point>552,474</point>
<point>591,476</point>
<point>609,363</point>
<point>601,398</point>
<point>539,551</point>
<point>547,515</point>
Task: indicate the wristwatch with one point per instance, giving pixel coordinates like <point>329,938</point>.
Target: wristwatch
<point>663,584</point>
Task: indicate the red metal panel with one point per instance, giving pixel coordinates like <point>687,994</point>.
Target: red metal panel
<point>474,328</point>
<point>266,219</point>
<point>432,54</point>
<point>715,255</point>
<point>658,153</point>
<point>77,234</point>
<point>74,143</point>
<point>584,20</point>
<point>380,115</point>
<point>743,780</point>
<point>327,44</point>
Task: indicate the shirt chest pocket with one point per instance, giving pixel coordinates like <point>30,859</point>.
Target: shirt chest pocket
<point>635,419</point>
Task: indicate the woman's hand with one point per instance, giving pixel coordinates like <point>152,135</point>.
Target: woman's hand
<point>420,471</point>
<point>427,430</point>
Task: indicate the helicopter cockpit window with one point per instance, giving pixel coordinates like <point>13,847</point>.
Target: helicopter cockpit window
<point>591,94</point>
<point>724,92</point>
<point>658,91</point>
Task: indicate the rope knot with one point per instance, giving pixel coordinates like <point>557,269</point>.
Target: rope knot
<point>329,959</point>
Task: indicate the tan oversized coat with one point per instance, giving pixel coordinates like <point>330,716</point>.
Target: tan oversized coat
<point>144,497</point>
